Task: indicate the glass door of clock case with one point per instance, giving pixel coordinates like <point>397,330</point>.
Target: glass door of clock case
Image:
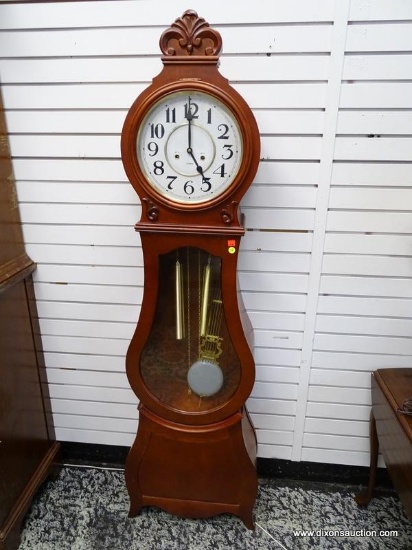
<point>189,363</point>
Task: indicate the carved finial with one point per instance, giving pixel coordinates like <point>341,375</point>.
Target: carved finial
<point>228,212</point>
<point>152,211</point>
<point>190,35</point>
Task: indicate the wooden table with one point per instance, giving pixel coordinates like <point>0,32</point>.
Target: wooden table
<point>391,433</point>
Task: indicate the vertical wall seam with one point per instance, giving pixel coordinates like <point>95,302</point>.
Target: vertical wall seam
<point>325,175</point>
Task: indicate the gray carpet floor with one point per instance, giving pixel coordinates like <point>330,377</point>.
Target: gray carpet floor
<point>86,509</point>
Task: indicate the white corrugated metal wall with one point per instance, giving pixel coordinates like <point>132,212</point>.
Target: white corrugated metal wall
<point>326,264</point>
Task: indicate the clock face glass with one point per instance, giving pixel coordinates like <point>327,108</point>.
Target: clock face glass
<point>189,147</point>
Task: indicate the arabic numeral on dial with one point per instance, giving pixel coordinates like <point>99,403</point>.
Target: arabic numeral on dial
<point>220,171</point>
<point>170,115</point>
<point>224,128</point>
<point>228,151</point>
<point>209,116</point>
<point>156,130</point>
<point>206,185</point>
<point>188,187</point>
<point>158,167</point>
<point>191,109</point>
<point>171,180</point>
<point>153,148</point>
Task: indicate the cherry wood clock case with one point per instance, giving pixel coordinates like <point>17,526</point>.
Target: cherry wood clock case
<point>190,148</point>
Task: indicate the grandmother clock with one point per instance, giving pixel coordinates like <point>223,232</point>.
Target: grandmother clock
<point>190,148</point>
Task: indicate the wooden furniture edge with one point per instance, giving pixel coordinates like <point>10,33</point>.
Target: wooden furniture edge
<point>15,270</point>
<point>11,527</point>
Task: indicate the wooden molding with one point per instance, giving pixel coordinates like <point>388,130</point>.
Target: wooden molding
<point>15,270</point>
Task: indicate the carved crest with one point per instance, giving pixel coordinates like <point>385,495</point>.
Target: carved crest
<point>190,35</point>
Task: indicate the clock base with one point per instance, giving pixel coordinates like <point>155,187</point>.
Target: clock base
<point>193,471</point>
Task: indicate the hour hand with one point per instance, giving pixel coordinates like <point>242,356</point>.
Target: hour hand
<point>198,167</point>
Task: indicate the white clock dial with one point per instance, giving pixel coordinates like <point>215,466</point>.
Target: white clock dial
<point>189,147</point>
